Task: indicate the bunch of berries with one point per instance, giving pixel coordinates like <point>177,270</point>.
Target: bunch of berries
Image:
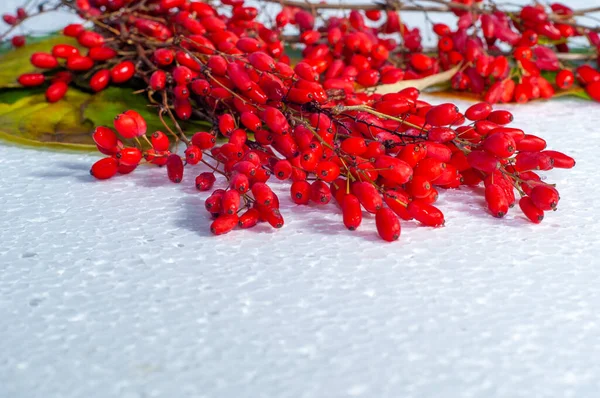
<point>311,124</point>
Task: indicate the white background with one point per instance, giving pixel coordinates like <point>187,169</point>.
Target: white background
<point>117,289</point>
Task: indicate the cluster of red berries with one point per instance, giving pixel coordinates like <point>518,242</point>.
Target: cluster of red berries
<point>589,78</point>
<point>308,124</point>
<point>535,39</point>
<point>364,48</point>
<point>13,20</point>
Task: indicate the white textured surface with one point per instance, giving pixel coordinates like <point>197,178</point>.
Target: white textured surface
<point>115,289</point>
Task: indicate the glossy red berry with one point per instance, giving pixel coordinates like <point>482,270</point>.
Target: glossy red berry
<point>425,213</point>
<point>104,168</point>
<point>63,51</point>
<point>249,219</point>
<point>565,79</point>
<point>496,200</point>
<point>79,63</point>
<point>442,115</point>
<point>545,197</point>
<point>224,223</point>
<point>388,224</point>
<point>300,192</point>
<point>105,138</point>
<point>531,211</point>
<point>205,181</point>
<point>122,72</point>
<point>43,61</point>
<point>100,80</point>
<point>56,91</point>
<point>130,124</point>
<point>90,39</point>
<point>129,156</point>
<point>175,168</point>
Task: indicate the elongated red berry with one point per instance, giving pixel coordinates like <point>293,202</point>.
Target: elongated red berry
<point>425,213</point>
<point>496,200</point>
<point>100,80</point>
<point>56,91</point>
<point>544,197</point>
<point>31,79</point>
<point>531,211</point>
<point>388,224</point>
<point>224,224</point>
<point>43,61</point>
<point>104,168</point>
<point>175,168</point>
<point>249,219</point>
<point>352,212</point>
<point>368,196</point>
<point>122,72</point>
<point>442,115</point>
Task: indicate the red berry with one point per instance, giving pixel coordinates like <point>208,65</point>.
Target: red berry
<point>193,155</point>
<point>483,161</point>
<point>501,145</point>
<point>18,41</point>
<point>496,200</point>
<point>500,117</point>
<point>100,80</point>
<point>320,192</point>
<point>130,124</point>
<point>56,91</point>
<point>388,224</point>
<point>79,63</point>
<point>478,111</point>
<point>544,197</point>
<point>351,211</point>
<point>101,53</point>
<point>263,195</point>
<point>368,196</point>
<point>425,213</point>
<point>158,80</point>
<point>104,168</point>
<point>240,182</point>
<point>129,156</point>
<point>43,61</point>
<point>442,115</point>
<point>533,213</point>
<point>122,72</point>
<point>249,219</point>
<point>90,39</point>
<point>593,90</point>
<point>230,202</point>
<point>394,169</point>
<point>175,168</point>
<point>63,51</point>
<point>565,79</point>
<point>224,224</point>
<point>560,160</point>
<point>73,30</point>
<point>205,181</point>
<point>282,169</point>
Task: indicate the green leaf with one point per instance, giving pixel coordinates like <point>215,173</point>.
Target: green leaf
<point>102,108</point>
<point>27,118</point>
<point>16,61</point>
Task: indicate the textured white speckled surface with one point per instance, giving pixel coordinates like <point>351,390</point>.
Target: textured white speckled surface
<point>115,289</point>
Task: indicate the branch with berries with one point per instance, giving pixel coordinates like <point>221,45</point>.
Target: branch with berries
<point>336,124</point>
